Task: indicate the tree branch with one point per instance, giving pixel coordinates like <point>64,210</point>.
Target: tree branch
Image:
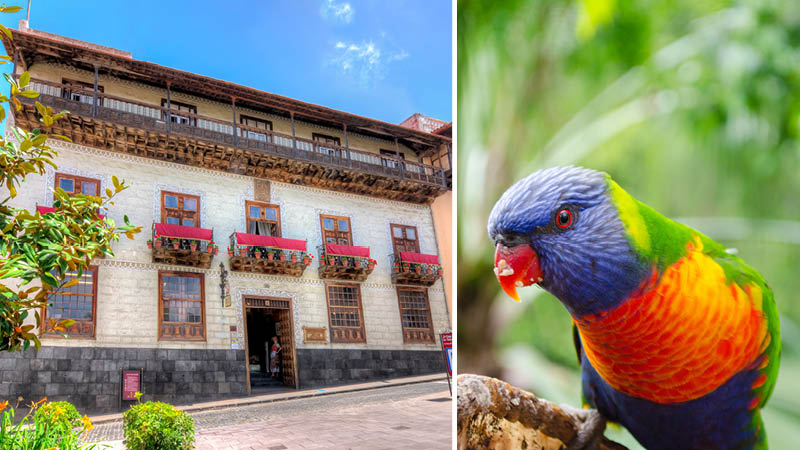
<point>494,415</point>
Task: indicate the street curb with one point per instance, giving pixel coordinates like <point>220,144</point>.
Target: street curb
<point>249,402</point>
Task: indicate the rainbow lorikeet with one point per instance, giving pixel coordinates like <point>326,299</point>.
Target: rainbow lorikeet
<point>678,340</point>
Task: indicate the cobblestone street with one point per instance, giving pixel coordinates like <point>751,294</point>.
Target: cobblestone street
<point>403,417</point>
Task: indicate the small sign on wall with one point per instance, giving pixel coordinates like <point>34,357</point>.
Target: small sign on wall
<point>131,383</point>
<point>314,335</point>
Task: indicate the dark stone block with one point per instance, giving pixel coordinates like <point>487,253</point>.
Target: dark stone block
<point>168,365</point>
<point>161,354</point>
<point>45,352</point>
<point>72,353</point>
<point>87,353</point>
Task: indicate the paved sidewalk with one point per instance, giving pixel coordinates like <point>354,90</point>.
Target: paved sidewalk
<point>288,394</point>
<point>396,417</point>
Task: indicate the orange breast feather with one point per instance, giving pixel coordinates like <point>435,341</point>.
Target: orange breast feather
<point>681,336</point>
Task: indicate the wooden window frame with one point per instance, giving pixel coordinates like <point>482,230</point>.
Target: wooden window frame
<point>360,309</point>
<point>180,206</point>
<point>192,110</point>
<point>322,218</point>
<point>45,332</point>
<point>248,203</point>
<point>75,179</point>
<point>243,118</point>
<point>202,301</point>
<point>67,93</point>
<point>324,138</point>
<point>394,244</point>
<point>431,339</point>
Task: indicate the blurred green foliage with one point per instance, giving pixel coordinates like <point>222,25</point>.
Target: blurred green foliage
<point>692,106</point>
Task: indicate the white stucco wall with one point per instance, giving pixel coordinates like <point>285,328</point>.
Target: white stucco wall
<point>127,303</point>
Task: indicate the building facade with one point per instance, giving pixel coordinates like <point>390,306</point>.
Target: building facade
<point>263,216</point>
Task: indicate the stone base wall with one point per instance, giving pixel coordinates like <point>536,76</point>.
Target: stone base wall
<point>321,367</point>
<point>90,378</point>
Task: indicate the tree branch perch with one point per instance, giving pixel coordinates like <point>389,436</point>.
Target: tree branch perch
<point>493,415</point>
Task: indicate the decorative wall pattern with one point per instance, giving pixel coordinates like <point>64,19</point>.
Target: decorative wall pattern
<point>157,188</point>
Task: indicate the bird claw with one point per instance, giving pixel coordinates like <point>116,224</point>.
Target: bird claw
<point>591,428</point>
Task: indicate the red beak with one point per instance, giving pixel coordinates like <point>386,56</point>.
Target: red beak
<point>515,267</point>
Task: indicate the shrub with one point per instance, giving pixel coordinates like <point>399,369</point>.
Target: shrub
<point>60,415</point>
<point>36,431</point>
<point>157,425</point>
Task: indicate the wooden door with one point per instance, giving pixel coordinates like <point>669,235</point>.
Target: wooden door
<point>336,230</point>
<point>286,339</point>
<point>405,239</point>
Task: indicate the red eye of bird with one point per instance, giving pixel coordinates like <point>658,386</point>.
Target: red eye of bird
<point>564,218</point>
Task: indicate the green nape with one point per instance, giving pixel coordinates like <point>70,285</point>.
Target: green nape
<point>659,240</point>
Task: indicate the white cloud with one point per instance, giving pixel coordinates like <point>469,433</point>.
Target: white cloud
<point>338,12</point>
<point>365,62</point>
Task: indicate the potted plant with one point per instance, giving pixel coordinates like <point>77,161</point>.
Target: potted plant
<point>230,252</point>
<point>331,260</point>
<point>283,256</point>
<point>358,263</point>
<point>294,257</point>
<point>417,269</point>
<point>429,270</point>
<point>216,249</point>
<point>270,255</point>
<point>258,254</point>
<point>345,261</point>
<point>175,243</point>
<point>210,247</point>
<point>149,243</point>
<point>306,259</point>
<point>406,267</point>
<point>158,243</point>
<point>193,245</point>
<point>439,271</point>
<point>371,263</point>
<point>397,267</point>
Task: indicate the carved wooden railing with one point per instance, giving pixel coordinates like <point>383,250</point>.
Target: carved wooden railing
<point>414,271</point>
<point>269,259</point>
<point>81,101</point>
<point>344,267</point>
<point>180,250</point>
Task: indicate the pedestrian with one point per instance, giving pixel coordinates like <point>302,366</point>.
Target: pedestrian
<point>274,359</point>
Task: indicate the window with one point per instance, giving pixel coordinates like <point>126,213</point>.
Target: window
<point>73,184</point>
<point>180,209</point>
<point>263,218</point>
<point>77,302</point>
<point>257,124</point>
<point>176,108</point>
<point>336,230</point>
<point>391,162</point>
<point>415,315</point>
<point>404,238</point>
<point>344,313</point>
<point>82,93</point>
<point>181,306</point>
<point>325,139</point>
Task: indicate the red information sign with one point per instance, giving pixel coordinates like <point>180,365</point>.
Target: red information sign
<point>130,384</point>
<point>447,348</point>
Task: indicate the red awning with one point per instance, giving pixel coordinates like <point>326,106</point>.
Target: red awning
<point>49,209</point>
<point>419,258</point>
<point>182,232</point>
<point>270,241</point>
<point>347,250</point>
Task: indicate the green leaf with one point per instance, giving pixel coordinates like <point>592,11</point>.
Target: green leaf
<point>6,31</point>
<point>11,9</point>
<point>24,79</point>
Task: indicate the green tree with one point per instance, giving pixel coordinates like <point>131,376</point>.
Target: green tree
<point>36,246</point>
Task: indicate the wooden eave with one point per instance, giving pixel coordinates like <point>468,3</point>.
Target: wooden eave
<point>33,47</point>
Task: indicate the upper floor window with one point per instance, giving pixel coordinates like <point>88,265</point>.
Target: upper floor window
<point>323,139</point>
<point>391,162</point>
<point>254,124</point>
<point>79,94</point>
<point>404,238</point>
<point>77,302</point>
<point>180,209</point>
<point>181,306</point>
<point>336,230</point>
<point>176,108</point>
<point>263,218</point>
<point>73,184</point>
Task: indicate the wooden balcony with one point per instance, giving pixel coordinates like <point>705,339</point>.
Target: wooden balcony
<point>268,255</point>
<point>342,262</point>
<point>415,269</point>
<point>183,246</point>
<point>123,125</point>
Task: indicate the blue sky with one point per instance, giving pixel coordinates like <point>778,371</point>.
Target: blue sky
<point>381,59</point>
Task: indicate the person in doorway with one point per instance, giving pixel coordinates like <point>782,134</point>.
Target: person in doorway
<point>274,357</point>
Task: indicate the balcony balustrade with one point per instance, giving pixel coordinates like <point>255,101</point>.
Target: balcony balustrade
<point>123,111</point>
<point>344,262</point>
<point>268,254</point>
<point>415,268</point>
